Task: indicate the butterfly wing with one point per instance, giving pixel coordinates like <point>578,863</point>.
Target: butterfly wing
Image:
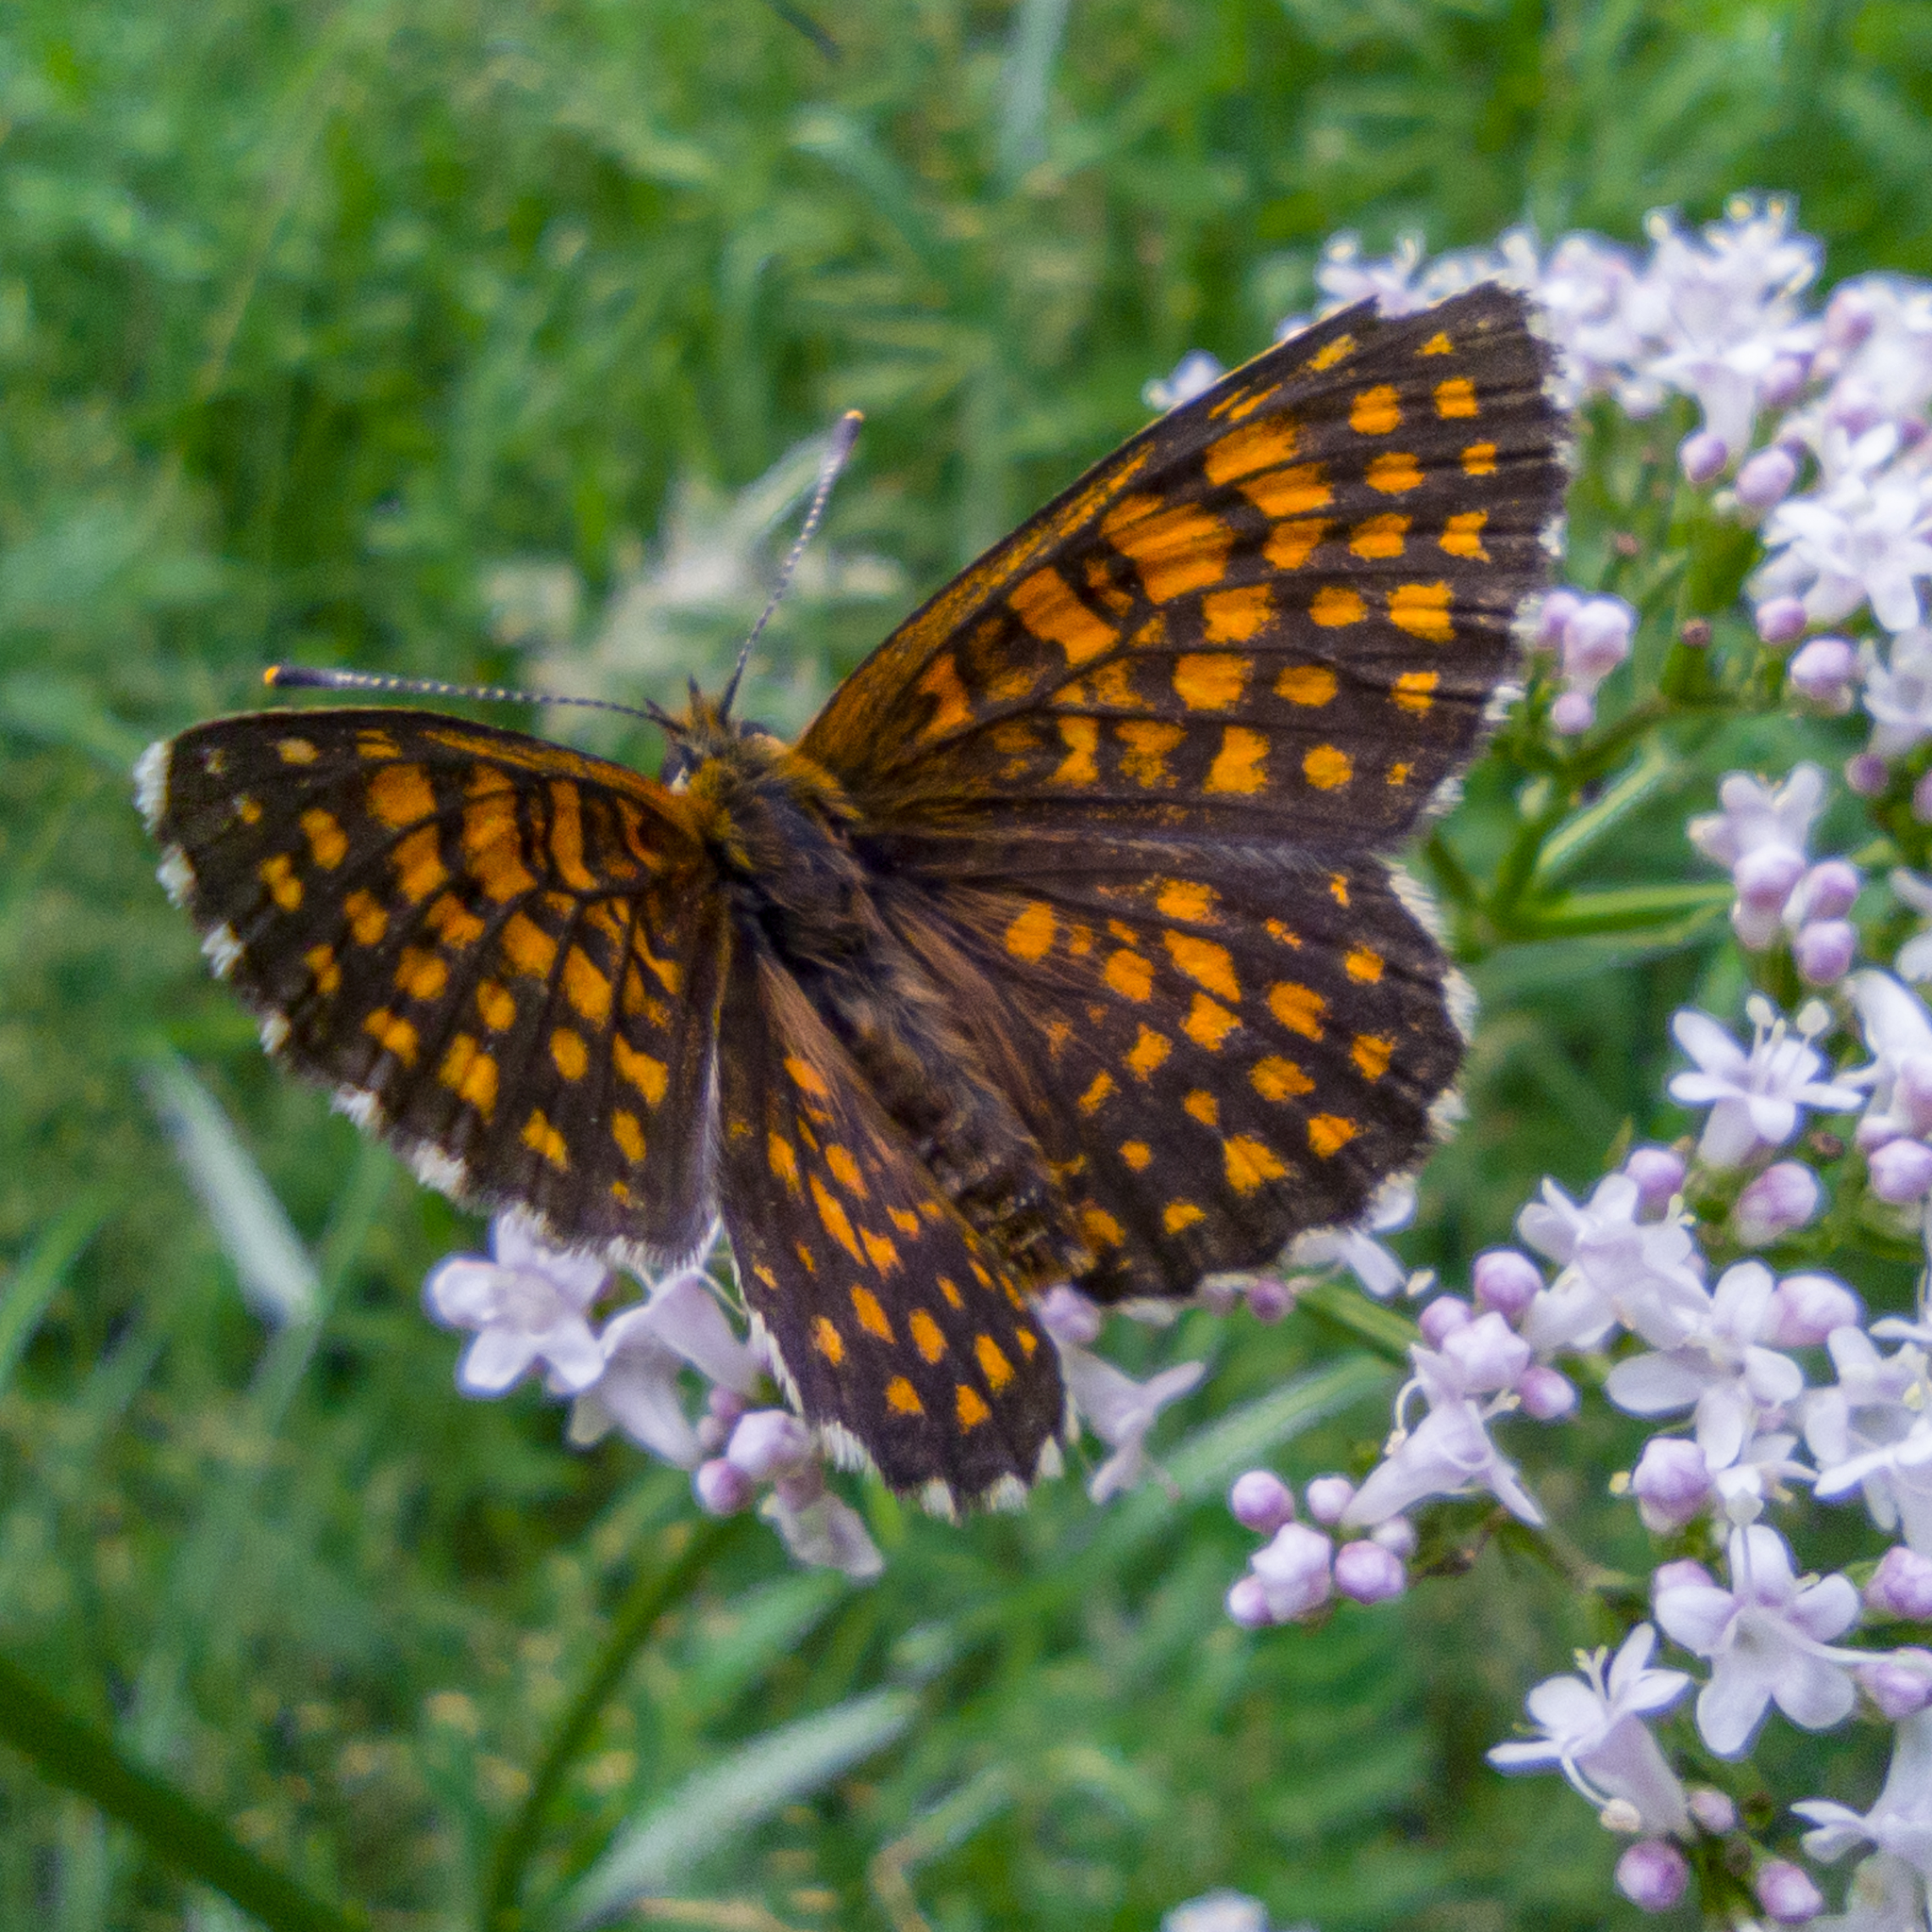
<point>899,1333</point>
<point>504,955</point>
<point>1277,614</point>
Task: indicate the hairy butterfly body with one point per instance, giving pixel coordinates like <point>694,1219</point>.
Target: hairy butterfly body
<point>1058,949</point>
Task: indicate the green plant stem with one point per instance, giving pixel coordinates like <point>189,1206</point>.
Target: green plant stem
<point>69,1751</point>
<point>653,1594</point>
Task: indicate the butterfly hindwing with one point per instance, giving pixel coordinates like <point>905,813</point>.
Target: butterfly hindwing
<point>504,954</point>
<point>899,1331</point>
<point>1277,614</point>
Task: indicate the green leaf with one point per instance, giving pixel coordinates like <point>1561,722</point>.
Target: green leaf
<point>37,1279</point>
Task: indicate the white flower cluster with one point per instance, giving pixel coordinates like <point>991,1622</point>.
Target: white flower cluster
<point>530,1307</point>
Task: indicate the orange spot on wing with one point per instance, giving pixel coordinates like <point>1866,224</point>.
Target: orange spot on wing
<point>567,1049</point>
<point>782,1158</point>
<point>1186,899</point>
<point>1176,547</point>
<point>1375,411</point>
<point>649,1076</point>
<point>970,1406</point>
<point>421,974</point>
<point>470,1074</point>
<point>902,1398</point>
<point>1364,965</point>
<point>952,708</point>
<point>419,867</point>
<point>1250,1164</point>
<point>807,1078</point>
<point>950,1289</point>
<point>628,1132</point>
<point>1326,767</point>
<point>1258,446</point>
<point>845,1170</point>
<point>904,1221</point>
<point>453,923</point>
<point>1209,1022</point>
<point>400,795</point>
<point>527,948</point>
<point>1178,1215</point>
<point>328,841</point>
<point>1479,460</point>
<point>1372,1054</point>
<point>1393,473</point>
<point>1081,737</point>
<point>1275,1078</point>
<point>1336,604</point>
<point>499,1010</point>
<point>1412,689</point>
<point>541,1137</point>
<point>278,876</point>
<point>1050,610</point>
<point>1438,344</point>
<point>567,837</point>
<point>992,1362</point>
<point>829,1343</point>
<point>1331,353</point>
<point>1462,536</point>
<point>1147,744</point>
<point>1456,397</point>
<point>1422,610</point>
<point>1204,962</point>
<point>838,1225</point>
<point>1100,1227</point>
<point>1210,681</point>
<point>1148,1051</point>
<point>1232,617</point>
<point>1137,1154</point>
<point>1291,492</point>
<point>1290,545</point>
<point>1298,1008</point>
<point>1031,934</point>
<point>1241,763</point>
<point>323,970</point>
<point>927,1336</point>
<point>1129,975</point>
<point>1329,1133</point>
<point>295,751</point>
<point>1376,538</point>
<point>1203,1106</point>
<point>1091,1101</point>
<point>393,1035</point>
<point>879,1251</point>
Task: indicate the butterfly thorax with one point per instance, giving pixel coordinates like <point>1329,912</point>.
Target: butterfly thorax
<point>780,830</point>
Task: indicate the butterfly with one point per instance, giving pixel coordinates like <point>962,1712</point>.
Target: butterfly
<point>1061,947</point>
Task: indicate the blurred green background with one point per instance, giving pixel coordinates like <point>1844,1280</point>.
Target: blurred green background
<point>463,339</point>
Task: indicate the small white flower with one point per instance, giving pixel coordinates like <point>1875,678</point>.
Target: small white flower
<point>1885,1895</point>
<point>1898,693</point>
<point>1593,1731</point>
<point>1873,1432</point>
<point>528,1304</point>
<point>1380,1269</point>
<point>1900,1824</point>
<point>1194,374</point>
<point>1755,1097</point>
<point>1768,1641</point>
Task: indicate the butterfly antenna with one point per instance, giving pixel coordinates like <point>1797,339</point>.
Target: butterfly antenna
<point>300,678</point>
<point>838,453</point>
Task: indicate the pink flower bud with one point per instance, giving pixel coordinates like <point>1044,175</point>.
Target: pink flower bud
<point>1247,1604</point>
<point>1712,1809</point>
<point>1765,878</point>
<point>1658,1174</point>
<point>1681,1575</point>
<point>1558,609</point>
<point>1442,1319</point>
<point>1902,1586</point>
<point>1805,1309</point>
<point>1671,1484</point>
<point>1780,383</point>
<point>1487,1354</point>
<point>1899,1685</point>
<point>1781,1200</point>
<point>1823,951</point>
<point>1597,639</point>
<point>1574,713</point>
<point>1651,1874</point>
<point>1786,1893</point>
<point>1849,317</point>
<point>1702,456</point>
<point>1507,1281</point>
<point>1900,1172</point>
<point>1830,889</point>
<point>1865,775</point>
<point>1068,1316</point>
<point>1369,1574</point>
<point>767,1443</point>
<point>1269,1300</point>
<point>1293,1571</point>
<point>1766,478</point>
<point>1874,1131</point>
<point>1548,1394</point>
<point>1824,673</point>
<point>722,1488</point>
<point>1396,1534</point>
<point>712,1435</point>
<point>725,1405</point>
<point>1921,799</point>
<point>1261,1502</point>
<point>1328,1496</point>
<point>1780,620</point>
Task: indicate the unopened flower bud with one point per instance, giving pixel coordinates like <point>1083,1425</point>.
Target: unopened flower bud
<point>1269,1299</point>
<point>1874,1131</point>
<point>1682,1574</point>
<point>1548,1394</point>
<point>1597,639</point>
<point>1652,1876</point>
<point>1780,620</point>
<point>1786,1893</point>
<point>1658,1174</point>
<point>1397,1534</point>
<point>1368,1573</point>
<point>767,1443</point>
<point>1067,1315</point>
<point>1294,1572</point>
<point>1559,608</point>
<point>1702,455</point>
<point>722,1488</point>
<point>1766,479</point>
<point>712,1435</point>
<point>1694,633</point>
<point>725,1405</point>
<point>1902,1586</point>
<point>1830,889</point>
<point>1712,1809</point>
<point>1506,1280</point>
<point>1866,774</point>
<point>1765,878</point>
<point>1900,1172</point>
<point>1574,713</point>
<point>1442,1319</point>
<point>1261,1502</point>
<point>1780,383</point>
<point>1328,1496</point>
<point>1899,1685</point>
<point>1487,1354</point>
<point>1823,951</point>
<point>1247,1604</point>
<point>1849,317</point>
<point>1781,1200</point>
<point>1671,1484</point>
<point>1805,1309</point>
<point>1824,673</point>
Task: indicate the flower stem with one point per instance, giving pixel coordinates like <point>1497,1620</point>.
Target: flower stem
<point>176,1831</point>
<point>654,1593</point>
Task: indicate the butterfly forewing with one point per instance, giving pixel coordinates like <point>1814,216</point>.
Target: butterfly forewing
<point>505,954</point>
<point>1277,614</point>
<point>896,1326</point>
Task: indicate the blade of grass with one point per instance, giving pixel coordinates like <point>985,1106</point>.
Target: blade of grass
<point>37,1280</point>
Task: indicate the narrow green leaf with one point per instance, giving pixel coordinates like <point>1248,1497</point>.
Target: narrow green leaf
<point>37,1280</point>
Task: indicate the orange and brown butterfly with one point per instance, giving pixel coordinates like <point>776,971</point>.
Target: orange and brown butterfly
<point>1060,947</point>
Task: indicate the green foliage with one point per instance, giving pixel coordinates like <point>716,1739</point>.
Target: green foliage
<point>413,338</point>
